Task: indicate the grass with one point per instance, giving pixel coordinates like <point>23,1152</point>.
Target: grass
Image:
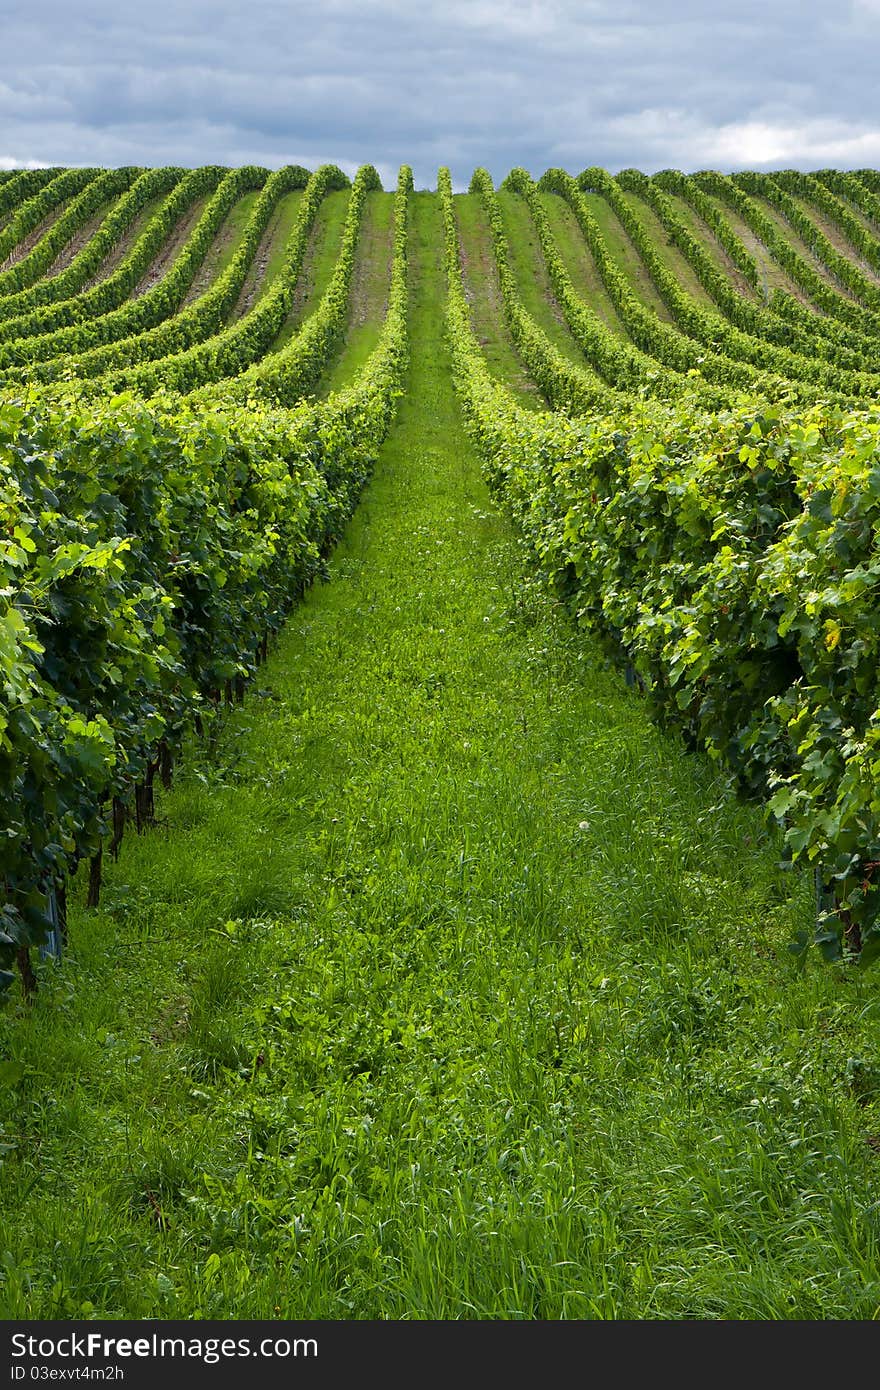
<point>448,987</point>
<point>625,255</point>
<point>271,253</point>
<point>322,253</point>
<point>773,276</point>
<point>485,301</point>
<point>578,261</point>
<point>532,278</point>
<point>669,254</point>
<point>224,245</point>
<point>704,234</point>
<point>369,292</point>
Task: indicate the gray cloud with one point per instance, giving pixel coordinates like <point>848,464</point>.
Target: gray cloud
<point>676,82</point>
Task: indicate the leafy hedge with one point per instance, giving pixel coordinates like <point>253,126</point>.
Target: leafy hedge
<point>771,338</point>
<point>293,370</point>
<point>21,184</point>
<point>564,384</point>
<point>701,192</point>
<point>97,193</point>
<point>665,342</point>
<point>69,282</point>
<point>228,354</point>
<point>620,362</point>
<point>740,195</point>
<point>28,216</point>
<point>731,558</point>
<point>778,370</point>
<point>149,324</point>
<point>148,551</point>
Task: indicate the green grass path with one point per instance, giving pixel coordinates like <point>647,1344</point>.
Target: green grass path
<point>368,295</point>
<point>486,303</point>
<point>448,987</point>
<point>535,288</point>
<point>578,260</point>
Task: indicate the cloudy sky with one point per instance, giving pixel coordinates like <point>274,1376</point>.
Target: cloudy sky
<point>684,83</point>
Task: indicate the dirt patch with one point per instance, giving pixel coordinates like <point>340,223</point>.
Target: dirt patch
<point>702,232</point>
<point>305,281</point>
<point>170,250</point>
<point>28,243</point>
<point>123,245</point>
<point>478,266</point>
<point>839,241</point>
<point>172,1022</point>
<point>76,243</point>
<point>479,259</point>
<point>250,290</point>
<point>207,272</point>
<point>773,274</point>
<point>798,244</point>
<point>254,278</point>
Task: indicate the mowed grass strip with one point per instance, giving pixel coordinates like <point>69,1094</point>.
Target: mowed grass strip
<point>532,277</point>
<point>578,261</point>
<point>673,259</point>
<point>447,986</point>
<point>319,262</point>
<point>270,254</point>
<point>223,247</point>
<point>625,255</point>
<point>368,296</point>
<point>704,234</point>
<point>773,275</point>
<point>486,303</point>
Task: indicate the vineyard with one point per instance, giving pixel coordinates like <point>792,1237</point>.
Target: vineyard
<point>440,735</point>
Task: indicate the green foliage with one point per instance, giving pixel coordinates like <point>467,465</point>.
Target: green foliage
<point>28,215</point>
<point>741,192</point>
<point>148,551</point>
<point>700,495</point>
<point>729,557</point>
<point>745,330</point>
<point>23,315</point>
<point>93,197</point>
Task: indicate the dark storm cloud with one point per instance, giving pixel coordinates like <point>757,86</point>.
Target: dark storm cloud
<point>470,82</point>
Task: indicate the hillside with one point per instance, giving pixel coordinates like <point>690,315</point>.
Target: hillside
<point>440,722</point>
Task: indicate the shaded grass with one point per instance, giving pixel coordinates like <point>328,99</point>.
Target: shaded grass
<point>710,243</point>
<point>773,275</point>
<point>533,281</point>
<point>669,254</point>
<point>271,253</point>
<point>448,987</point>
<point>224,245</point>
